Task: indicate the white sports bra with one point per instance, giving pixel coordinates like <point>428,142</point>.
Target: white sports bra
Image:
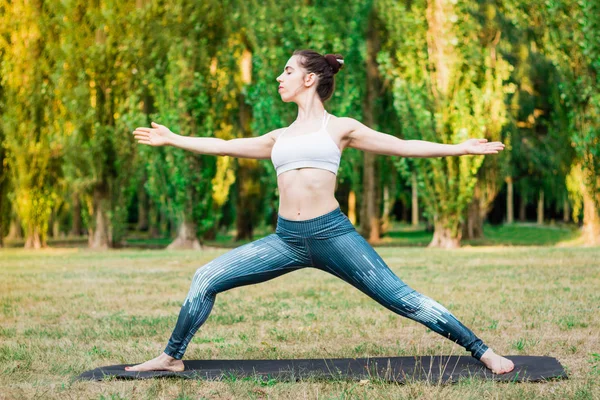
<point>312,150</point>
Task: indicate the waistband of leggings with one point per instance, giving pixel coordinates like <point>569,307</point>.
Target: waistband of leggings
<point>313,224</point>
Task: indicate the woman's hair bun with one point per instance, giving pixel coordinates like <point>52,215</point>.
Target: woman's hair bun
<point>336,61</point>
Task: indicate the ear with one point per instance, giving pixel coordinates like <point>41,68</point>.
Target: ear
<point>310,79</point>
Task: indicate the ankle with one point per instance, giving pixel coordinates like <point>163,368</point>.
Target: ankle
<point>489,352</point>
<point>166,357</point>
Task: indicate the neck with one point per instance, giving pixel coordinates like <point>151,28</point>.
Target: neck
<point>311,110</point>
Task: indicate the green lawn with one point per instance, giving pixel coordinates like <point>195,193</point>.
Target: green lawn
<point>519,234</point>
<point>64,311</point>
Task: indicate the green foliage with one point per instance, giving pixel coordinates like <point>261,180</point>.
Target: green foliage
<point>448,86</point>
<point>78,77</point>
<point>101,107</point>
<point>570,38</point>
<point>29,109</point>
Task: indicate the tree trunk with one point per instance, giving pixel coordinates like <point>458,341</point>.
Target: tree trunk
<point>566,210</point>
<point>415,200</point>
<point>369,216</point>
<point>540,208</point>
<point>55,228</point>
<point>522,205</point>
<point>76,215</point>
<point>510,201</point>
<point>473,226</point>
<point>444,238</point>
<point>248,198</point>
<point>249,195</point>
<point>477,210</point>
<point>33,240</point>
<point>154,220</point>
<point>591,218</point>
<point>388,204</point>
<point>369,221</point>
<point>166,225</point>
<point>405,209</point>
<point>142,224</point>
<point>352,207</point>
<point>186,237</point>
<point>15,231</point>
<point>99,238</point>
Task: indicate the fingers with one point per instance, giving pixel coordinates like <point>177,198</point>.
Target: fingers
<point>493,148</point>
<point>490,143</point>
<point>143,140</point>
<point>483,148</point>
<point>141,135</point>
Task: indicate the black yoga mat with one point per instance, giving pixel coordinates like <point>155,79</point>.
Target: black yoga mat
<point>442,369</point>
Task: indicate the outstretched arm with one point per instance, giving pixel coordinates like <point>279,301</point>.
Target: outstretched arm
<point>364,138</point>
<point>255,147</point>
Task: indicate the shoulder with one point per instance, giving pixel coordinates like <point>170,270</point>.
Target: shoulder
<point>344,122</point>
<point>345,125</point>
<point>274,134</point>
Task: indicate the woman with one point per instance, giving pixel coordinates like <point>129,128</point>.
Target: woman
<point>311,229</point>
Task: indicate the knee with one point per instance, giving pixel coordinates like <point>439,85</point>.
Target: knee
<point>205,282</point>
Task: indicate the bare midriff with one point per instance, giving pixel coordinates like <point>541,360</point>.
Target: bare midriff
<point>306,193</point>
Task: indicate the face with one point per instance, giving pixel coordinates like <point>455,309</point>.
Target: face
<point>294,80</point>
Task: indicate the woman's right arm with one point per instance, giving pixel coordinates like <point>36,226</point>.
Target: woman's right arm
<point>255,147</point>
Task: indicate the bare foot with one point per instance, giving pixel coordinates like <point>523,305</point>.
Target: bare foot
<point>163,362</point>
<point>496,363</point>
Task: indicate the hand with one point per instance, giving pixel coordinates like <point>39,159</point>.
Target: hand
<point>159,136</point>
<point>481,146</point>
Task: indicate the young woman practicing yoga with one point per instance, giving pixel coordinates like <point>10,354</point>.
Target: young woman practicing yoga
<point>311,230</point>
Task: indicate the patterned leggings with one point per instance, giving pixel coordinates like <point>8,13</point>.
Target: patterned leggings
<point>328,242</point>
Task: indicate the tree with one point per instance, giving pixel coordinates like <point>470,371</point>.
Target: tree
<point>448,81</point>
<point>29,39</point>
<point>569,36</point>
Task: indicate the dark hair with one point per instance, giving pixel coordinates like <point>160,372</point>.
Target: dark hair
<point>325,67</point>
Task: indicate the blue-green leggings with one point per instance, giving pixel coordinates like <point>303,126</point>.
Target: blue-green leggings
<point>328,242</point>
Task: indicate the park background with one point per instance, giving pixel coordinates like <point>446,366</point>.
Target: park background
<point>77,77</point>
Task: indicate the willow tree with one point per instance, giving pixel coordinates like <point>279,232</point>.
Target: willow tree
<point>28,42</point>
<point>573,44</point>
<point>196,95</point>
<point>97,88</point>
<point>448,83</point>
<point>492,173</point>
<point>5,189</point>
<point>538,119</point>
<point>568,34</point>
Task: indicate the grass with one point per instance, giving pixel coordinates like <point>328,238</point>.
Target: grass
<point>518,234</point>
<point>64,311</point>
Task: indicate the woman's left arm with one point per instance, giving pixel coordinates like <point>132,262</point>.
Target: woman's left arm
<point>364,138</point>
